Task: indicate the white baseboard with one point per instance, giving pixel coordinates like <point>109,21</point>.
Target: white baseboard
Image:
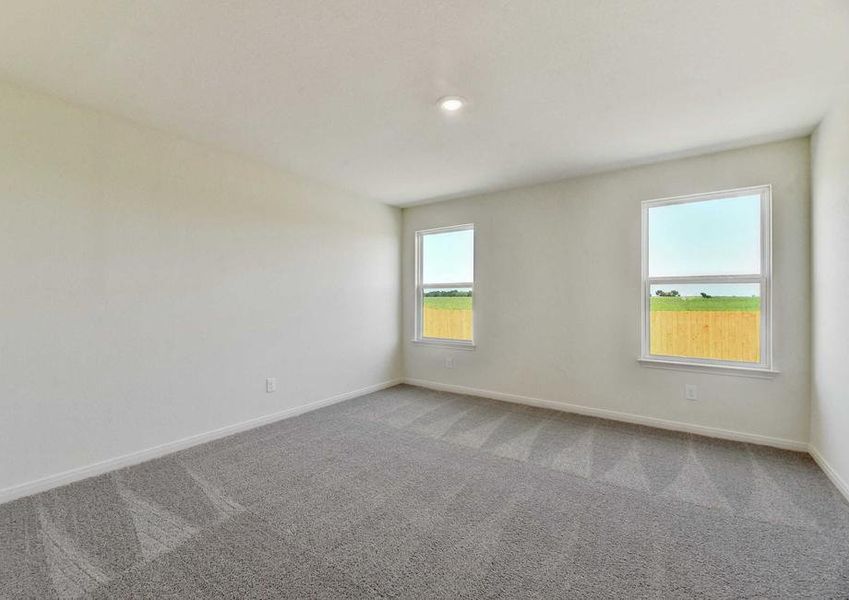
<point>133,458</point>
<point>59,479</point>
<point>614,415</point>
<point>832,474</point>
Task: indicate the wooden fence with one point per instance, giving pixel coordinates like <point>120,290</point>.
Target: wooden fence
<point>725,335</point>
<point>449,324</point>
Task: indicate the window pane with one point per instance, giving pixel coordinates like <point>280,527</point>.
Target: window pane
<point>447,314</point>
<point>720,321</point>
<point>448,257</point>
<point>714,237</point>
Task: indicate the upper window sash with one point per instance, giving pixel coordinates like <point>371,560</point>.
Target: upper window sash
<point>698,239</point>
<point>443,269</point>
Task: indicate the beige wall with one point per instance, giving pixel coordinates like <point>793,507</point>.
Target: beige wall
<point>574,335</point>
<point>150,285</point>
<point>830,398</point>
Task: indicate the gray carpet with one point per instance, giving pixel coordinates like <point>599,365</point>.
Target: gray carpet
<point>410,493</point>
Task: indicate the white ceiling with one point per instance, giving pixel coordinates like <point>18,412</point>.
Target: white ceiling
<point>343,90</point>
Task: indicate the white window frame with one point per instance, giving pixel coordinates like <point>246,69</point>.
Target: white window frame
<point>421,287</point>
<point>764,279</point>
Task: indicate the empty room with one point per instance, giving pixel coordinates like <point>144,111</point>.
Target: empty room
<point>424,299</point>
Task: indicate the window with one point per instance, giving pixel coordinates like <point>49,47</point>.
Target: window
<point>445,285</point>
<point>707,280</point>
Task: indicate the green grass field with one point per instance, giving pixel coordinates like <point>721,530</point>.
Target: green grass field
<point>681,303</point>
<point>719,303</point>
<point>449,302</point>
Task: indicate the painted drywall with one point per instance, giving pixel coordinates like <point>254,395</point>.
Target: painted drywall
<point>558,295</point>
<point>830,322</point>
<point>151,284</point>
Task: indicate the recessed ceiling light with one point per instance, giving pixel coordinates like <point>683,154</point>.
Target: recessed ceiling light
<point>451,103</point>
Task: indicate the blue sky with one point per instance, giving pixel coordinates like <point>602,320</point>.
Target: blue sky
<point>448,257</point>
<point>717,237</point>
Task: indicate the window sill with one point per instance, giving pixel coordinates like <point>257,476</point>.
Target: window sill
<point>756,372</point>
<point>453,344</point>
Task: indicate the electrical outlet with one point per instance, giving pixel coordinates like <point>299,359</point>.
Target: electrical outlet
<point>271,384</point>
<point>691,392</point>
<point>449,362</point>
